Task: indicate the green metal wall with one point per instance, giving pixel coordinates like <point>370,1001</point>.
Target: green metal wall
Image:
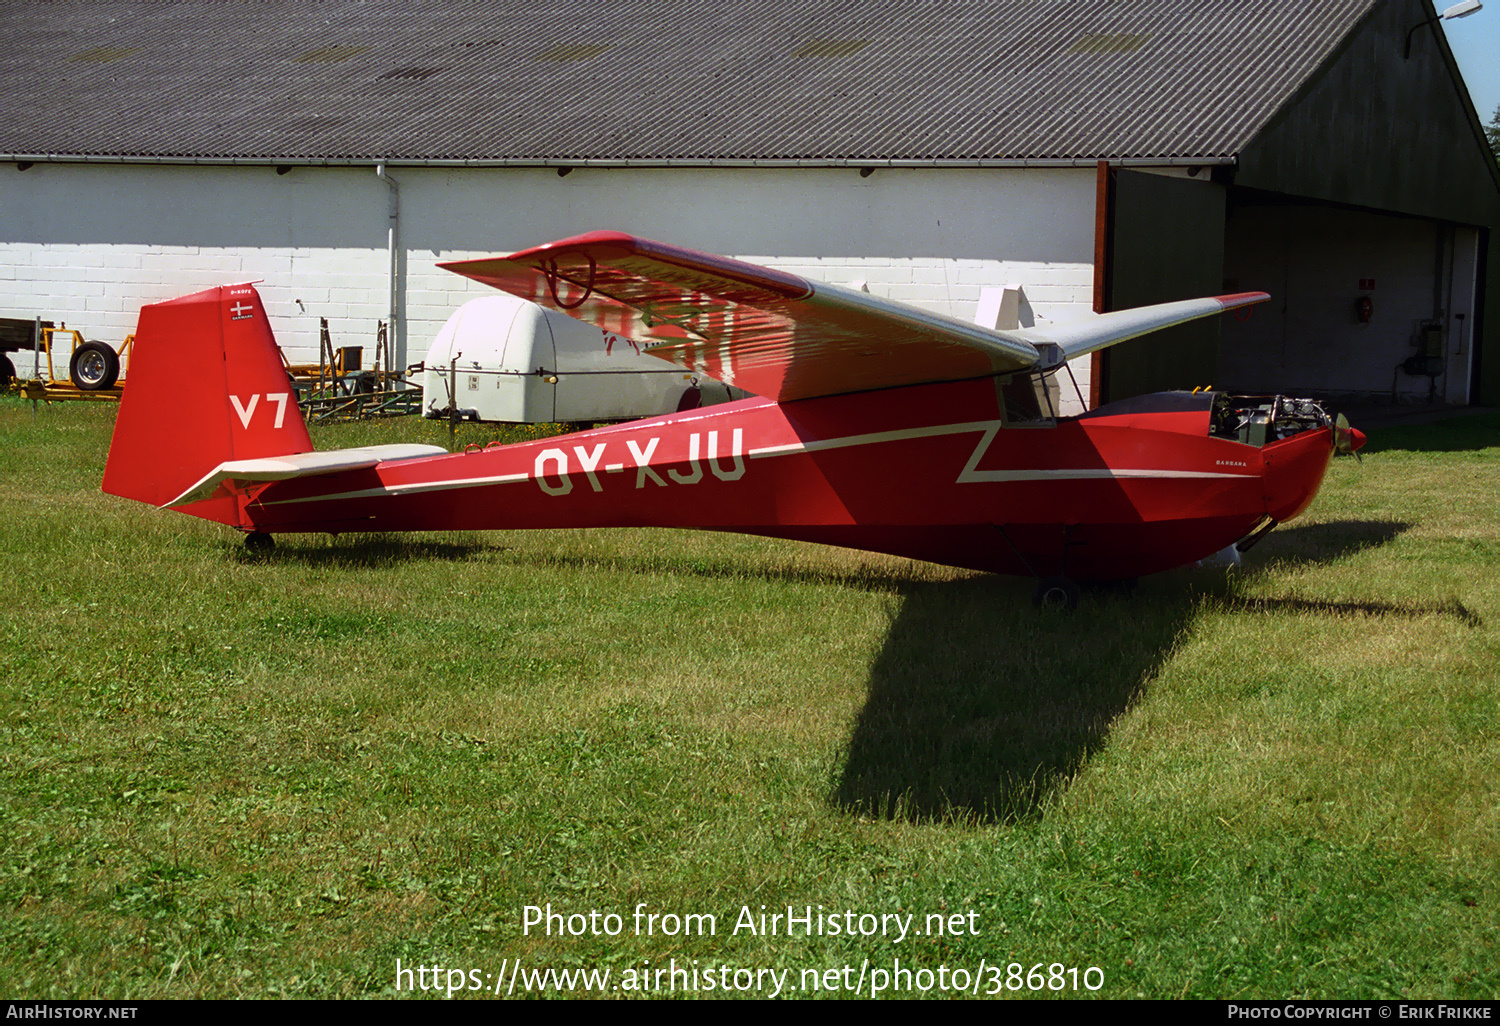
<point>1167,243</point>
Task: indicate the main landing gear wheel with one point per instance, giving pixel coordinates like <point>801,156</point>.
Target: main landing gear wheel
<point>259,543</point>
<point>94,367</point>
<point>1055,593</point>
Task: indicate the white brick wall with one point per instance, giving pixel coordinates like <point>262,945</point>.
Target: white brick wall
<point>89,244</point>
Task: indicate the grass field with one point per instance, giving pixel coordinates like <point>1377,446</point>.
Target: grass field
<point>234,776</point>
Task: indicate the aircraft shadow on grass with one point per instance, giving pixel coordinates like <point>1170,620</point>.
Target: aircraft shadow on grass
<point>385,550</point>
<point>1313,544</point>
<point>983,708</point>
<point>980,707</point>
<point>1323,542</point>
<point>365,552</point>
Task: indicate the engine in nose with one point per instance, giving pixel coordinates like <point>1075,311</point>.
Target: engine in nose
<point>1296,438</point>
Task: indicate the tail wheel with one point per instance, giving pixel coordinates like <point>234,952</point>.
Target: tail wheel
<point>94,367</point>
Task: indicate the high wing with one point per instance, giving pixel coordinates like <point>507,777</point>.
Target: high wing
<point>1076,338</point>
<point>783,336</point>
<point>767,331</point>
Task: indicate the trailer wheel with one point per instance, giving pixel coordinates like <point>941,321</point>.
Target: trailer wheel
<point>94,367</point>
<point>7,372</point>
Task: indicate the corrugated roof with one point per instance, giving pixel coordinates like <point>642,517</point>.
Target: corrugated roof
<point>655,80</point>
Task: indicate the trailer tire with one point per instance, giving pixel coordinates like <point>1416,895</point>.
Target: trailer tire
<point>94,367</point>
<point>7,373</point>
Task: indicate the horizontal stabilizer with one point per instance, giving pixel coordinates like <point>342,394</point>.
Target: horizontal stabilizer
<point>305,464</point>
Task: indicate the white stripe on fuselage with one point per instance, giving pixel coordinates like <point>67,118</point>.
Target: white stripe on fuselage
<point>969,475</point>
<point>876,438</point>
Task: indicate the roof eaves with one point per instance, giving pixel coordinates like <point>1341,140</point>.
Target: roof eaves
<point>1182,160</point>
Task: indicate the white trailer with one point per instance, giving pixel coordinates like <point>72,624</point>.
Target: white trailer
<point>500,358</point>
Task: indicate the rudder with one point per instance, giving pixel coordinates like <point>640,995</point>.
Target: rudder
<point>206,384</point>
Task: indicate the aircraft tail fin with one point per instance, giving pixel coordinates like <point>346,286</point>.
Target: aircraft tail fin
<point>205,385</point>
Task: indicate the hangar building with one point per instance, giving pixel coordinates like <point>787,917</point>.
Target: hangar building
<point>1098,154</point>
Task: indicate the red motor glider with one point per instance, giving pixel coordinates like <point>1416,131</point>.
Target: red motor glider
<point>879,427</point>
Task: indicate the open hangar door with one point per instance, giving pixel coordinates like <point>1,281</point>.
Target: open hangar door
<point>1365,307</point>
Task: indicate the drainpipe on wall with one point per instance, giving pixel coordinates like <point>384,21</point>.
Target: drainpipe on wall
<point>395,330</point>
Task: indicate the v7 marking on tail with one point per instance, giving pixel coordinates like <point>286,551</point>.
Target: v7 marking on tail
<point>246,412</point>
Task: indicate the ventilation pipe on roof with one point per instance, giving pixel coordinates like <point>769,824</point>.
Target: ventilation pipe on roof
<point>395,330</point>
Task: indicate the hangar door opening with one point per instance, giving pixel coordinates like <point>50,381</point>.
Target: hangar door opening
<point>1364,307</point>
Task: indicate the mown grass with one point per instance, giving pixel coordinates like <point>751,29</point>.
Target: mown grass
<point>235,776</point>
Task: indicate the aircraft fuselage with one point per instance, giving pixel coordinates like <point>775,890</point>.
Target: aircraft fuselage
<point>933,472</point>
